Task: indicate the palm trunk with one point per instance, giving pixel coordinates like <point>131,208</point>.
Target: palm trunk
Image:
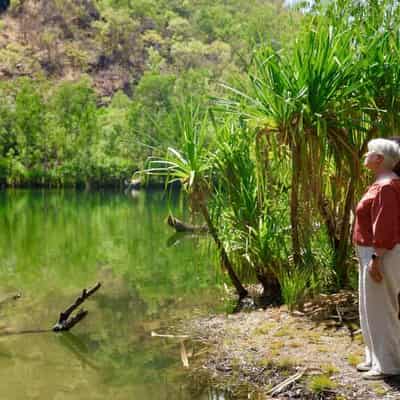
<point>344,236</point>
<point>294,204</point>
<point>272,291</point>
<point>241,291</point>
<point>329,221</point>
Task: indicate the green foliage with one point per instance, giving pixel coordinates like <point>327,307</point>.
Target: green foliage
<point>154,91</point>
<point>117,35</point>
<point>279,174</point>
<point>354,359</point>
<point>285,165</point>
<point>320,383</point>
<point>63,127</point>
<point>179,27</point>
<point>295,285</point>
<point>322,98</point>
<point>254,223</point>
<point>188,165</point>
<point>79,58</point>
<point>63,138</point>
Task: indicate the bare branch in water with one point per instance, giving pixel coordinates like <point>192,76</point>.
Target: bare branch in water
<point>63,323</point>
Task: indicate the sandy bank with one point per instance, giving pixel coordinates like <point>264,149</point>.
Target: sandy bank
<point>249,354</point>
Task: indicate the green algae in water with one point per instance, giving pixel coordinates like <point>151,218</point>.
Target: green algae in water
<point>53,244</point>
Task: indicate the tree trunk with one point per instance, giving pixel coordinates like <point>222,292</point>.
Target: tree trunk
<point>294,204</point>
<point>329,221</point>
<point>241,291</point>
<point>272,292</point>
<point>344,236</point>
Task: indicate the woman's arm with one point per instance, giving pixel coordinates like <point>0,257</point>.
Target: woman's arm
<point>385,212</point>
<point>379,251</point>
<point>385,227</point>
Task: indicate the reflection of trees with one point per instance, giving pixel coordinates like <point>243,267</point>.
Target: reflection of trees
<point>120,299</point>
<point>78,348</point>
<point>63,240</point>
<point>123,360</point>
<point>58,242</point>
<point>70,234</point>
<point>127,303</point>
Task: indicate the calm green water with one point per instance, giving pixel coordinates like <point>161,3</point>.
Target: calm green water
<point>52,245</point>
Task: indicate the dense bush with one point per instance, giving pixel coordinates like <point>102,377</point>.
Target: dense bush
<point>282,175</point>
<point>103,77</point>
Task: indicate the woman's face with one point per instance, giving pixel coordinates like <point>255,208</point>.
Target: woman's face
<point>373,161</point>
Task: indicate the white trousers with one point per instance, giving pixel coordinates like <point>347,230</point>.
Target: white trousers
<point>379,311</point>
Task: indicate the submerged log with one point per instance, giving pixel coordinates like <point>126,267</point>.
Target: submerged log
<point>181,226</point>
<point>64,323</point>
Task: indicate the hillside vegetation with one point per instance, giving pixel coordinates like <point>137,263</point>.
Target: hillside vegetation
<point>87,87</point>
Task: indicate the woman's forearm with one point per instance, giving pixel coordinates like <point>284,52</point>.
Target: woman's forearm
<point>380,251</point>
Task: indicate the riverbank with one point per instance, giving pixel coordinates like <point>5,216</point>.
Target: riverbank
<point>92,185</point>
<point>252,354</point>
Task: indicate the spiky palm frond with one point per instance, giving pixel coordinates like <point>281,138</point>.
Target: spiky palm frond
<point>189,164</point>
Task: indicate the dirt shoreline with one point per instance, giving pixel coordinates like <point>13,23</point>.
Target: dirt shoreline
<point>249,354</point>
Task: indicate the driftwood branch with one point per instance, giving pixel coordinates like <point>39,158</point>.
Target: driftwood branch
<point>154,334</point>
<point>181,226</point>
<point>64,323</point>
<point>68,324</point>
<point>283,385</point>
<point>184,355</point>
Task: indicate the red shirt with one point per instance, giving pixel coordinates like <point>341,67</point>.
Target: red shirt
<point>378,215</point>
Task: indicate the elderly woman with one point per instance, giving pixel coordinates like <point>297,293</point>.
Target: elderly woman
<point>377,240</point>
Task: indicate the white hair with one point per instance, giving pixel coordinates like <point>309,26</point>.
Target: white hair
<point>389,149</point>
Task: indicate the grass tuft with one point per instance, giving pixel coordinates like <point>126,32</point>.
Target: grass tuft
<point>354,359</point>
<point>321,383</point>
<point>329,369</point>
<point>264,329</point>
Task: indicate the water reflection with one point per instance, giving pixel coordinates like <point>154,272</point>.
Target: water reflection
<point>53,244</point>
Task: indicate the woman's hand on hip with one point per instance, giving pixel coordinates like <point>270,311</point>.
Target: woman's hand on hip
<point>374,269</point>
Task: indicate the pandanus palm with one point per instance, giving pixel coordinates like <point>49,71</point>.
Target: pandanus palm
<point>190,165</point>
<point>324,98</point>
<point>375,110</point>
<point>254,232</point>
<point>302,96</point>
